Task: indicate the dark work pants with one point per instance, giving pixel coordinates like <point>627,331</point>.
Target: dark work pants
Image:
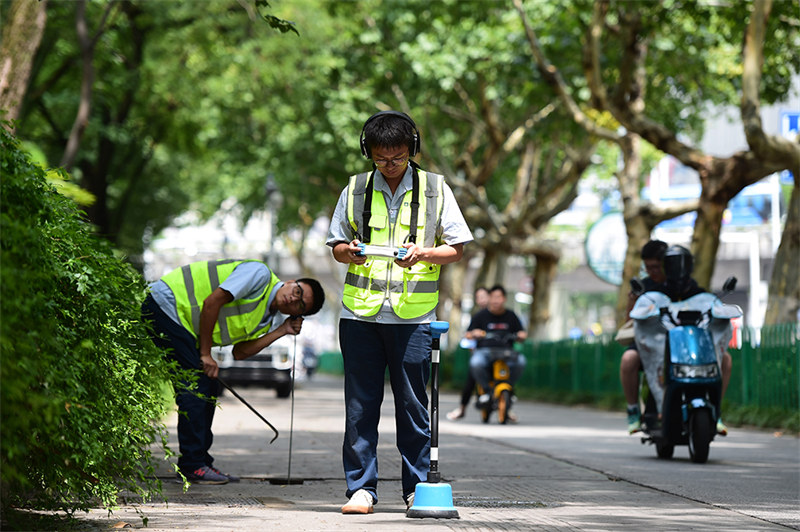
<point>368,349</point>
<point>195,414</point>
<point>480,366</point>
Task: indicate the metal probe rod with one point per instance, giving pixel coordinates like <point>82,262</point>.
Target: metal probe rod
<point>239,397</point>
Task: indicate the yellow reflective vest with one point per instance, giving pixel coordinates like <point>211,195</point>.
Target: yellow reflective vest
<point>414,291</point>
<point>238,320</point>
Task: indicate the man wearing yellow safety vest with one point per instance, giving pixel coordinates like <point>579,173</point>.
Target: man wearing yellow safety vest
<point>388,304</point>
<point>222,302</point>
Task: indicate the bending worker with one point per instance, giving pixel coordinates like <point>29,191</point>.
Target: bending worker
<point>224,302</point>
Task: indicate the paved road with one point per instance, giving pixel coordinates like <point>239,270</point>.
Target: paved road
<point>558,469</point>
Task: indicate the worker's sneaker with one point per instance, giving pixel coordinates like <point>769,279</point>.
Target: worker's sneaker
<point>483,400</point>
<point>409,502</point>
<point>206,475</point>
<point>722,429</point>
<point>458,413</point>
<point>231,478</point>
<point>360,503</point>
<point>634,420</point>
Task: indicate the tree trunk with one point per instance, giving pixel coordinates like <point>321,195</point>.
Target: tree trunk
<point>452,291</point>
<point>87,82</point>
<point>492,271</point>
<point>638,232</point>
<point>543,276</point>
<point>636,228</point>
<point>784,286</point>
<point>705,239</point>
<point>22,34</point>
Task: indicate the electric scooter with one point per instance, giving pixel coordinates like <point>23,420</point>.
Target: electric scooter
<point>681,346</point>
<point>501,391</point>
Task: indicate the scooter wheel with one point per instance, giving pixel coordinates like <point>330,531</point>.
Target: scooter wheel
<point>700,435</point>
<point>503,406</point>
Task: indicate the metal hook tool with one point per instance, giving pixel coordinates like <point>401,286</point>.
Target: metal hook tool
<point>245,403</point>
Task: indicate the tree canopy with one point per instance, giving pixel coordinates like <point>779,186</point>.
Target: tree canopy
<point>174,107</point>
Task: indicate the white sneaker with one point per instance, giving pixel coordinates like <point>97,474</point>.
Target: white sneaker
<point>360,503</point>
<point>409,502</point>
<point>458,413</point>
<point>484,400</point>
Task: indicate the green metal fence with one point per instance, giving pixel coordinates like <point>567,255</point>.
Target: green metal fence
<point>766,369</point>
<point>588,368</point>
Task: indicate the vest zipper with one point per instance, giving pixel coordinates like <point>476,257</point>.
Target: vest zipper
<point>390,266</point>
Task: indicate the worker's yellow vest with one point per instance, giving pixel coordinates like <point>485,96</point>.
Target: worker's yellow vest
<point>238,320</point>
<point>414,291</point>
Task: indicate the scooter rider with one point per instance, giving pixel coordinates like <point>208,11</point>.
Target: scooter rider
<point>679,286</point>
<point>495,318</point>
<point>481,300</point>
<point>630,364</point>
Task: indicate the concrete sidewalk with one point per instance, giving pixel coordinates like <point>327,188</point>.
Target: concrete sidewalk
<point>495,486</point>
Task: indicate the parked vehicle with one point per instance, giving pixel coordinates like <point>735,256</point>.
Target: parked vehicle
<point>681,345</point>
<point>271,368</point>
<point>501,390</point>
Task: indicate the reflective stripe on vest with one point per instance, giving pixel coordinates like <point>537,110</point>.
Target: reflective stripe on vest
<point>238,320</point>
<point>414,291</point>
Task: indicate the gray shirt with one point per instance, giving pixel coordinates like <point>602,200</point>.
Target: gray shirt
<point>452,230</point>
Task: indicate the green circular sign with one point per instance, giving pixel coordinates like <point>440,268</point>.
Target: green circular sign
<point>606,244</point>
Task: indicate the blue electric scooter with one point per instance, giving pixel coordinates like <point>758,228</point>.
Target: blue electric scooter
<point>681,345</point>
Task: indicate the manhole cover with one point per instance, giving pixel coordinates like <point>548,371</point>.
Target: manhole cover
<point>495,502</point>
<point>217,501</point>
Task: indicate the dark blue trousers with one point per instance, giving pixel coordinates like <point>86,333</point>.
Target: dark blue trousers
<point>368,349</point>
<point>195,414</point>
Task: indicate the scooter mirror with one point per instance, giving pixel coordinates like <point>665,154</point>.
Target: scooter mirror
<point>729,285</point>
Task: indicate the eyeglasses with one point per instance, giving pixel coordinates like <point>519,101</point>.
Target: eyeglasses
<point>397,161</point>
<point>297,293</point>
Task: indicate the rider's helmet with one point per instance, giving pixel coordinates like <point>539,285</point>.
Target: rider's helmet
<point>678,265</point>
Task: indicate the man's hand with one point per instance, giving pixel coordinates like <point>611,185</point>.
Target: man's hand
<point>348,252</point>
<point>208,318</point>
<point>292,325</point>
<point>476,334</point>
<point>248,348</point>
<point>413,255</point>
<point>209,366</point>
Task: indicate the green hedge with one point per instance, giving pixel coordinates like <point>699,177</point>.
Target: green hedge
<point>80,397</point>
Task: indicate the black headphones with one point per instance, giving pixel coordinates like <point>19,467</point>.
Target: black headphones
<point>415,146</point>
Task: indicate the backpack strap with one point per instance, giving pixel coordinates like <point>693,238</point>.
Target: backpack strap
<point>362,187</point>
<point>412,235</point>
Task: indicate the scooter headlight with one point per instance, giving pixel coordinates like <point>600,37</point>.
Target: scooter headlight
<point>706,371</point>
